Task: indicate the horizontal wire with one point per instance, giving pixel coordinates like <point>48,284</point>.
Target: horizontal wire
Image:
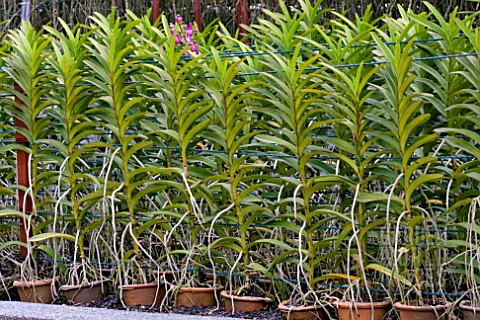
<point>388,43</point>
<point>275,52</point>
<point>268,154</point>
<point>308,46</point>
<point>371,63</point>
<point>260,225</point>
<point>274,155</point>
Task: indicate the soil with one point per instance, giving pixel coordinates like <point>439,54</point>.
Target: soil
<point>113,302</point>
<point>7,269</point>
<point>251,292</point>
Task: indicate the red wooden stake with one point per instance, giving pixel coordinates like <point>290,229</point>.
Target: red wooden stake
<point>24,200</point>
<point>243,16</point>
<point>155,10</point>
<point>197,6</point>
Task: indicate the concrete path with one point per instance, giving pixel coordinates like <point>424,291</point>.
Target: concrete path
<point>12,310</point>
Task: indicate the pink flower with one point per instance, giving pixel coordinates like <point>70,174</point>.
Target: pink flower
<point>189,31</point>
<point>194,47</point>
<point>179,19</point>
<point>178,40</point>
<point>184,35</point>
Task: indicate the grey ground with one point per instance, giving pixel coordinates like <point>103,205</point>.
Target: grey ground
<point>12,310</point>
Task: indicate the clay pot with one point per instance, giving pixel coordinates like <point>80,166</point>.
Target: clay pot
<point>469,312</point>
<point>347,310</point>
<point>268,285</point>
<point>197,297</point>
<point>86,292</point>
<point>422,312</point>
<point>220,278</point>
<point>166,275</point>
<point>302,312</point>
<point>143,294</point>
<point>39,291</point>
<point>244,304</point>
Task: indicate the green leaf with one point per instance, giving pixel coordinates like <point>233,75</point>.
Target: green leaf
<point>335,276</point>
<point>388,272</point>
<point>415,220</point>
<point>13,243</point>
<point>418,182</point>
<point>366,197</point>
<point>272,242</point>
<point>50,235</point>
<point>469,226</point>
<point>12,213</point>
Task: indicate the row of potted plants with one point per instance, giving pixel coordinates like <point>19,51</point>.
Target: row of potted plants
<point>154,295</point>
<point>327,156</point>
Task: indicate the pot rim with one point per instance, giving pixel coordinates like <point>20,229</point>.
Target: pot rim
<point>227,294</point>
<point>201,289</point>
<point>142,286</point>
<point>401,306</point>
<point>463,305</point>
<point>34,283</point>
<point>67,287</point>
<point>282,306</point>
<point>362,304</point>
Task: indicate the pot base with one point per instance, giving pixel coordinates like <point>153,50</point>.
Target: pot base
<point>87,292</point>
<point>38,291</point>
<point>422,312</point>
<point>302,312</point>
<point>143,294</point>
<point>361,310</point>
<point>197,297</point>
<point>469,312</point>
<point>244,304</point>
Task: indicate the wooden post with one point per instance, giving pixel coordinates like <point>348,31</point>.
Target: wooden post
<point>155,10</point>
<point>25,203</point>
<point>242,8</point>
<point>197,6</point>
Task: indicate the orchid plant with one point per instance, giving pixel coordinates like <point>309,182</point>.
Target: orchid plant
<point>184,35</point>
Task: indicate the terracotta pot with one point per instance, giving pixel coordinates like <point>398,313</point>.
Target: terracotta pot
<point>422,312</point>
<point>86,292</point>
<point>197,297</point>
<point>166,275</point>
<point>220,278</point>
<point>244,304</point>
<point>469,312</point>
<point>39,291</point>
<point>268,285</point>
<point>143,294</point>
<point>347,310</point>
<point>302,312</point>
